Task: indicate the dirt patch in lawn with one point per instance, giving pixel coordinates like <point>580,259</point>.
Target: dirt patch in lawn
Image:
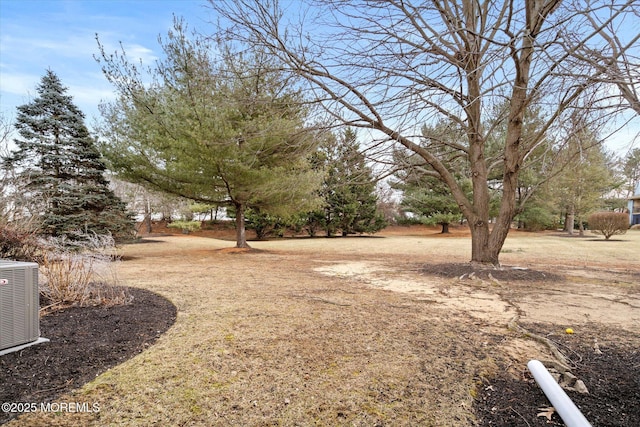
<point>367,332</point>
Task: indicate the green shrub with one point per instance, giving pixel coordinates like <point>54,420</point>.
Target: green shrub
<point>608,223</point>
<point>536,219</point>
<point>186,226</point>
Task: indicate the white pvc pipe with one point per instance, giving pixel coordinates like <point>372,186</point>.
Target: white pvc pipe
<point>565,407</point>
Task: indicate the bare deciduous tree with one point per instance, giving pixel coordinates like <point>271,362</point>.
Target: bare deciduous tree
<point>5,136</point>
<point>393,66</point>
<point>617,58</point>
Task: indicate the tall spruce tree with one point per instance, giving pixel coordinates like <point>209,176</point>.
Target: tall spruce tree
<point>60,171</point>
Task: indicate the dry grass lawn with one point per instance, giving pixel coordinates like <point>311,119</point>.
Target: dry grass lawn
<point>345,331</point>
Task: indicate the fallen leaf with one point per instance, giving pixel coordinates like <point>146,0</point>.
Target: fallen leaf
<point>546,412</point>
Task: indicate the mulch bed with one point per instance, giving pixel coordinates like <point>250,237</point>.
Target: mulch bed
<point>84,342</point>
<point>612,378</point>
<point>507,273</point>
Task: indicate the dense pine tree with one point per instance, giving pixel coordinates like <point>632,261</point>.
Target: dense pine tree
<point>348,191</point>
<point>424,195</point>
<point>216,127</point>
<point>431,201</point>
<point>581,186</point>
<point>59,170</point>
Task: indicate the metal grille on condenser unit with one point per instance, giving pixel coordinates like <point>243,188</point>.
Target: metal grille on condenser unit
<point>19,306</point>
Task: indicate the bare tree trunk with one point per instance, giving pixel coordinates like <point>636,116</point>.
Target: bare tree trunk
<point>580,227</point>
<point>241,234</point>
<point>147,216</point>
<point>481,252</point>
<point>568,226</point>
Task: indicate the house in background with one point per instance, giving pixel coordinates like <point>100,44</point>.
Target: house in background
<point>634,207</point>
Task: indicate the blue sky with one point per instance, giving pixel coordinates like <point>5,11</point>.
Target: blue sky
<point>60,34</point>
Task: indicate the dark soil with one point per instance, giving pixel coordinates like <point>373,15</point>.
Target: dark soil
<point>612,378</point>
<point>506,273</point>
<point>84,342</point>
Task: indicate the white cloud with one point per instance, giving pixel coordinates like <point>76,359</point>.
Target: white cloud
<point>18,83</point>
<point>134,51</point>
<point>91,94</point>
<point>71,57</point>
<point>61,36</point>
<point>81,47</point>
<point>142,53</point>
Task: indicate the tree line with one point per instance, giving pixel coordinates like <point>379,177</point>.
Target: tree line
<point>586,179</point>
<point>244,146</point>
<point>479,67</point>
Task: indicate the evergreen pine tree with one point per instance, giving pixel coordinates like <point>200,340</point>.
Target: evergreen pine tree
<point>431,201</point>
<point>59,170</point>
<point>426,196</point>
<point>581,186</point>
<point>217,127</point>
<point>348,189</point>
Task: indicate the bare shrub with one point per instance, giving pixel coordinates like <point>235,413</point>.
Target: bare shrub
<point>608,223</point>
<point>81,275</point>
<point>19,242</point>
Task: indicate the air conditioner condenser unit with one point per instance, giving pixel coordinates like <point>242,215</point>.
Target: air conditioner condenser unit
<point>19,305</point>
